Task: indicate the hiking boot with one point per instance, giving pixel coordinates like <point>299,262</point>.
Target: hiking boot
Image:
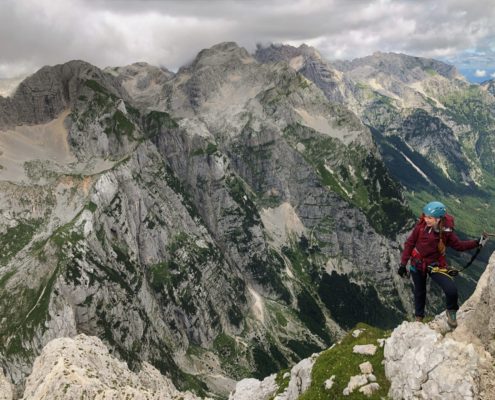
<point>451,318</point>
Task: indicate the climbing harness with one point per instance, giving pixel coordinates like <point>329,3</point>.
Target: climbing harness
<point>447,271</point>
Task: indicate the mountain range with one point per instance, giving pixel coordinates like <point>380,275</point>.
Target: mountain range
<point>231,218</point>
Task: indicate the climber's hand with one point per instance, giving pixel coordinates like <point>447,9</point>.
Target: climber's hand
<point>482,240</point>
<point>402,271</point>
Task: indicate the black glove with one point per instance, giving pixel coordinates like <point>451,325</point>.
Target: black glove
<point>402,271</point>
<point>482,240</point>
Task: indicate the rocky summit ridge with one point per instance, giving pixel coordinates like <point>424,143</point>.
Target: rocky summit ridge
<point>221,222</point>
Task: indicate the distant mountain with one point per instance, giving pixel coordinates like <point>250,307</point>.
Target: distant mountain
<point>434,130</point>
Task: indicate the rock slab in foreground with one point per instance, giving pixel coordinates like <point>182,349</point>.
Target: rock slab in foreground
<point>82,368</point>
<point>421,363</point>
<point>5,387</point>
<point>300,380</point>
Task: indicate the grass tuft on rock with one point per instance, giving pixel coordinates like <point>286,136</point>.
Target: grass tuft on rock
<point>343,363</point>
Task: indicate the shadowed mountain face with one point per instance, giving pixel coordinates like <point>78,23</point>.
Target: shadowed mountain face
<point>220,222</point>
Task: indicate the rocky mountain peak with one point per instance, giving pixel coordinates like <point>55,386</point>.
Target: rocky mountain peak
<point>44,95</point>
<point>276,53</point>
<point>226,53</point>
<point>139,68</point>
<point>403,67</point>
<point>141,80</point>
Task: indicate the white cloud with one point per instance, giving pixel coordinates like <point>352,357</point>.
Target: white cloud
<point>480,73</point>
<point>492,74</point>
<point>170,33</point>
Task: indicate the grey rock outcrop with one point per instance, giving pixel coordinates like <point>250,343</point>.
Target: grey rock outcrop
<point>5,388</point>
<point>404,67</point>
<point>45,94</point>
<point>253,389</point>
<point>299,381</point>
<point>142,81</point>
<point>82,367</point>
<point>423,363</point>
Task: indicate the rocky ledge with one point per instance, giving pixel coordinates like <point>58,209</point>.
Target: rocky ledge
<point>429,361</point>
<point>82,368</point>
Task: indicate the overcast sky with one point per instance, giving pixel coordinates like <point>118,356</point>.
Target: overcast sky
<point>170,33</point>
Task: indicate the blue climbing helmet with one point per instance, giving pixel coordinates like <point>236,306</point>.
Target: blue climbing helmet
<point>434,209</point>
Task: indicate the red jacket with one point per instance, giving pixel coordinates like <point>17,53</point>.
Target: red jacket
<point>426,239</point>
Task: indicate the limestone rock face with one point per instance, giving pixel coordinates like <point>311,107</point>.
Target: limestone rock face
<point>253,389</point>
<point>81,367</point>
<point>423,363</point>
<point>45,94</point>
<point>141,80</point>
<point>5,388</point>
<point>420,364</point>
<point>300,379</point>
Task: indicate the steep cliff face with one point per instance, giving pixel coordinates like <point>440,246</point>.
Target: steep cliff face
<point>217,223</point>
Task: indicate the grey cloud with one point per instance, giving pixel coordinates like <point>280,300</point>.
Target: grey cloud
<point>170,33</point>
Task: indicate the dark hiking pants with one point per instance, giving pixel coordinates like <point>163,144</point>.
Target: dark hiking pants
<point>445,282</point>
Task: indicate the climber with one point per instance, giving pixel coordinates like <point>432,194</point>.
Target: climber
<point>425,247</point>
